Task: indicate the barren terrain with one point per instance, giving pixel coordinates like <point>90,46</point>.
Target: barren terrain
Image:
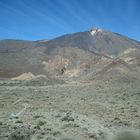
<point>80,86</point>
<point>87,111</point>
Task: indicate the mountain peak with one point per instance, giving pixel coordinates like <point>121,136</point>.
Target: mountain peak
<point>95,30</point>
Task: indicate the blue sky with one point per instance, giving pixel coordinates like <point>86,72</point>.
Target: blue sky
<point>46,19</point>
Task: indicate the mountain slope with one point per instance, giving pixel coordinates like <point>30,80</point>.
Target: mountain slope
<point>75,54</point>
<point>95,40</point>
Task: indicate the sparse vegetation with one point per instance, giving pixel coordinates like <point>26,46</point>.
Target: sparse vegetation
<point>70,86</point>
